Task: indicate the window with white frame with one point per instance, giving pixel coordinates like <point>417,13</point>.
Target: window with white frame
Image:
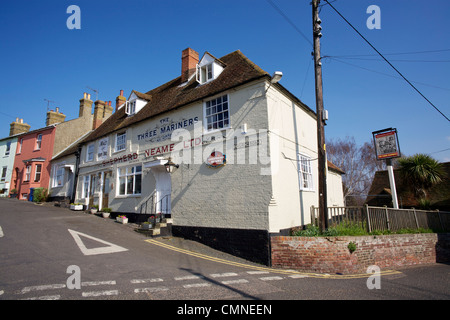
<point>121,141</point>
<point>27,173</point>
<point>58,178</point>
<point>19,149</point>
<point>90,152</point>
<point>217,114</point>
<point>86,181</point>
<point>130,179</point>
<point>38,142</point>
<point>37,173</point>
<point>305,173</point>
<point>8,148</point>
<point>130,107</point>
<point>205,73</point>
<point>4,170</point>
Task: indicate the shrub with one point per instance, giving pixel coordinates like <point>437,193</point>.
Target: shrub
<point>40,195</point>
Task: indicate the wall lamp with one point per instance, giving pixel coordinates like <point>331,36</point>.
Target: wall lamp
<point>170,166</point>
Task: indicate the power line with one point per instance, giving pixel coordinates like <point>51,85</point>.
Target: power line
<point>394,54</point>
<point>289,21</point>
<point>387,61</point>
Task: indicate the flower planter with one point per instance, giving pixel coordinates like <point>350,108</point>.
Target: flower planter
<point>76,207</point>
<point>105,214</point>
<point>94,211</point>
<point>122,220</point>
<point>146,226</point>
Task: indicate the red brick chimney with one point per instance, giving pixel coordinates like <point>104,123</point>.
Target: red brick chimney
<point>189,61</point>
<point>120,100</point>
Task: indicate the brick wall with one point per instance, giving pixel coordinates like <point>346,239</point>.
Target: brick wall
<point>331,254</point>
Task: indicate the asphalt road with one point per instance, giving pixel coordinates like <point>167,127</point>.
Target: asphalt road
<point>51,253</point>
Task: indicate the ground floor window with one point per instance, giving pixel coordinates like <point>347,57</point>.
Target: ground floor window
<point>130,180</point>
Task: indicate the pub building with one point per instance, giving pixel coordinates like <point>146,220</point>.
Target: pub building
<point>223,150</point>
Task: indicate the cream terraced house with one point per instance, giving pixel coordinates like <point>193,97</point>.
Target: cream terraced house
<point>244,151</point>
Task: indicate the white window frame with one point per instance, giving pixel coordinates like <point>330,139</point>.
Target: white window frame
<point>4,172</point>
<point>58,176</point>
<point>8,148</point>
<point>90,153</point>
<point>27,176</point>
<point>19,150</point>
<point>38,142</point>
<point>130,172</point>
<point>86,186</point>
<point>305,173</point>
<point>205,73</point>
<point>124,134</point>
<point>36,172</point>
<point>212,115</point>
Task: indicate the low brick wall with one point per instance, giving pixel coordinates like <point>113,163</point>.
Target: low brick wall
<point>332,255</point>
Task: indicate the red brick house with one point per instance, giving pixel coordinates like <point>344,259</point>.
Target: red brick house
<point>32,162</point>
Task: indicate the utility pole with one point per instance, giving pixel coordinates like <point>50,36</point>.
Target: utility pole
<point>321,149</point>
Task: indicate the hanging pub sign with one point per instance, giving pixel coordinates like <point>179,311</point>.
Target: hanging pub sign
<point>216,159</point>
<point>386,144</point>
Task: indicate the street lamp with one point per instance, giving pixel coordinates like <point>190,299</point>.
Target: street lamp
<point>170,166</point>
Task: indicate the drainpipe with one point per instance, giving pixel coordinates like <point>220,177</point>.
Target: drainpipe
<point>77,169</point>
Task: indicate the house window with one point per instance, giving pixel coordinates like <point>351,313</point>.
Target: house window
<point>58,178</point>
<point>130,107</point>
<point>305,173</point>
<point>86,187</point>
<point>27,173</point>
<point>4,170</point>
<point>19,150</point>
<point>90,153</point>
<point>217,113</point>
<point>121,141</point>
<point>37,173</point>
<point>130,180</point>
<point>38,142</point>
<point>8,148</point>
<point>205,73</point>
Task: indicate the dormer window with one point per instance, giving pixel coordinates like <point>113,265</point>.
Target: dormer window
<point>136,102</point>
<point>209,68</point>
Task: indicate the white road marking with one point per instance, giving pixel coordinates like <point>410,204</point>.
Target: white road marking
<point>226,274</point>
<point>146,280</point>
<point>149,290</point>
<point>189,277</point>
<point>298,276</point>
<point>271,278</point>
<point>257,272</point>
<point>235,281</point>
<point>100,293</point>
<point>55,297</point>
<point>42,287</point>
<point>97,283</point>
<point>1,232</point>
<point>110,247</point>
<point>197,285</point>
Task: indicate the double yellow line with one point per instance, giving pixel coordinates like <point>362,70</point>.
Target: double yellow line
<point>278,271</point>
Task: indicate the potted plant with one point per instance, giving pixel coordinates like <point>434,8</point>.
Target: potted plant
<point>13,193</point>
<point>76,206</point>
<point>146,225</point>
<point>106,212</point>
<point>122,219</point>
<point>94,209</point>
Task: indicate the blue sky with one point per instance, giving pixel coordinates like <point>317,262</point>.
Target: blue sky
<point>137,44</point>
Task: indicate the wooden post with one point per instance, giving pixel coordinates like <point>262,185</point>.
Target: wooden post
<point>321,149</point>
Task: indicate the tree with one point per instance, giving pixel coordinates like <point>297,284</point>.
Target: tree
<point>359,164</point>
<point>422,172</point>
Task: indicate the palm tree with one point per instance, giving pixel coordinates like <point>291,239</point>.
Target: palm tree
<point>421,172</point>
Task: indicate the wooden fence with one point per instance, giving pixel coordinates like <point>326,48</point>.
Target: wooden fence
<point>384,218</point>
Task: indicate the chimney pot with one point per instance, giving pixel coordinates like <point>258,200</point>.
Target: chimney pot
<point>121,92</point>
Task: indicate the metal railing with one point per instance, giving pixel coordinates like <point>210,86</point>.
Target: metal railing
<point>384,218</point>
<point>157,209</point>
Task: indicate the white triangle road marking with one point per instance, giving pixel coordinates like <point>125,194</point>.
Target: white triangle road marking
<point>110,247</point>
